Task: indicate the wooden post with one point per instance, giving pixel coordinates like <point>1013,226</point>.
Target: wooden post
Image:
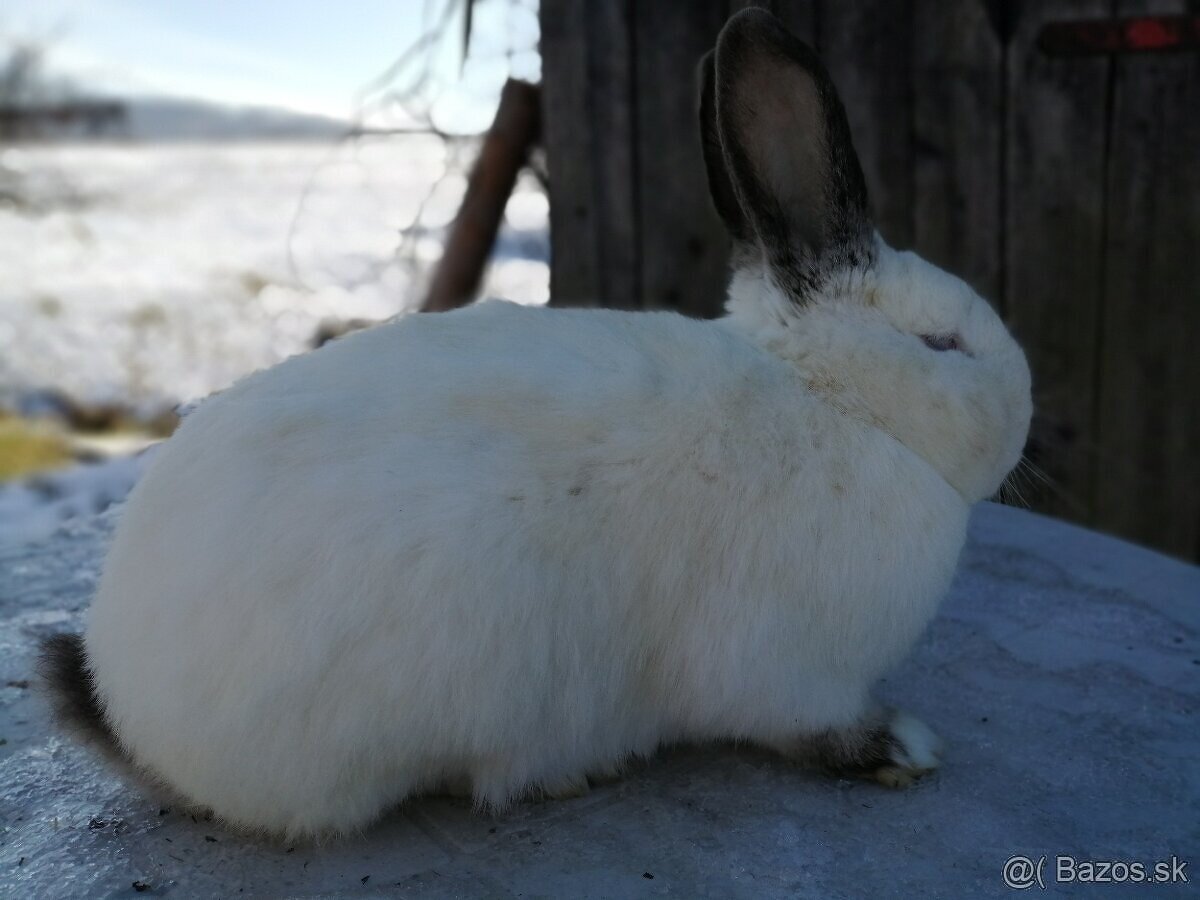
<point>505,149</point>
<point>588,89</point>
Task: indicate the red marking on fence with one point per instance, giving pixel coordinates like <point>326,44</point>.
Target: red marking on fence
<point>1145,34</point>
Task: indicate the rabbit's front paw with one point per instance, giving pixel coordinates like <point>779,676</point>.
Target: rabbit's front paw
<point>911,750</point>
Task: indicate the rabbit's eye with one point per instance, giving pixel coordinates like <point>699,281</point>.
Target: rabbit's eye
<point>942,341</point>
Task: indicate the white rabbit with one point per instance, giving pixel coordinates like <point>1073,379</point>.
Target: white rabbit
<point>508,548</point>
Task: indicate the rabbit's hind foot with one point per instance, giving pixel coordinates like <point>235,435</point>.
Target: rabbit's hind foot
<point>887,746</point>
<point>912,751</point>
<point>459,787</point>
<point>565,788</point>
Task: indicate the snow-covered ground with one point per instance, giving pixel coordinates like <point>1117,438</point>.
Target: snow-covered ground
<point>33,509</point>
<point>1061,674</point>
<point>161,273</point>
<point>150,275</point>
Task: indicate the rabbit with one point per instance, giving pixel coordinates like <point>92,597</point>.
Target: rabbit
<point>504,550</point>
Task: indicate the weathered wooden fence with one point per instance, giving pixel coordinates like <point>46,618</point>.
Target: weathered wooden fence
<point>1059,176</point>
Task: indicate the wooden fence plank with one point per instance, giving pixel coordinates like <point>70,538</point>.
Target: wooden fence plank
<point>867,47</point>
<point>1148,429</point>
<point>589,113</point>
<point>1062,187</point>
<point>958,114</point>
<point>684,248</point>
<point>614,111</point>
<point>567,139</point>
<point>802,19</point>
<point>1055,149</point>
<point>800,16</point>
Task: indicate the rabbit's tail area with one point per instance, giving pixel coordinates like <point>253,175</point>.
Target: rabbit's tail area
<point>67,677</point>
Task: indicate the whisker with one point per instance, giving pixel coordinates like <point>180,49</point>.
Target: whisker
<point>1010,494</point>
<point>1035,471</point>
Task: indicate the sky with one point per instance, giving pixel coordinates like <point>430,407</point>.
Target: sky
<point>307,55</point>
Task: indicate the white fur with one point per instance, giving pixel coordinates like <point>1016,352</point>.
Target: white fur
<point>519,545</point>
<point>917,747</point>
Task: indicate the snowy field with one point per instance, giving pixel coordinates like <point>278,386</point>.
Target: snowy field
<point>153,275</point>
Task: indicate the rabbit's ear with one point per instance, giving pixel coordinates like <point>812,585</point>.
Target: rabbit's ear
<point>720,187</point>
<point>789,153</point>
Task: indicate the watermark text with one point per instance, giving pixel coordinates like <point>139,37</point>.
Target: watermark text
<point>1023,872</point>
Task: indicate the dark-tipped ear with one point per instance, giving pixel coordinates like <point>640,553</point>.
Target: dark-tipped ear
<point>720,188</point>
<point>790,156</point>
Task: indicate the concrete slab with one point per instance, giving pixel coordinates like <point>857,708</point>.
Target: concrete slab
<point>1063,674</point>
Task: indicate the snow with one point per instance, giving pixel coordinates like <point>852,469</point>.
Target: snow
<point>1061,673</point>
<point>35,508</point>
<point>152,275</point>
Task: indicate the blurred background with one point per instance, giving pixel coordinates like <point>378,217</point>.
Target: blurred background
<point>190,191</point>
